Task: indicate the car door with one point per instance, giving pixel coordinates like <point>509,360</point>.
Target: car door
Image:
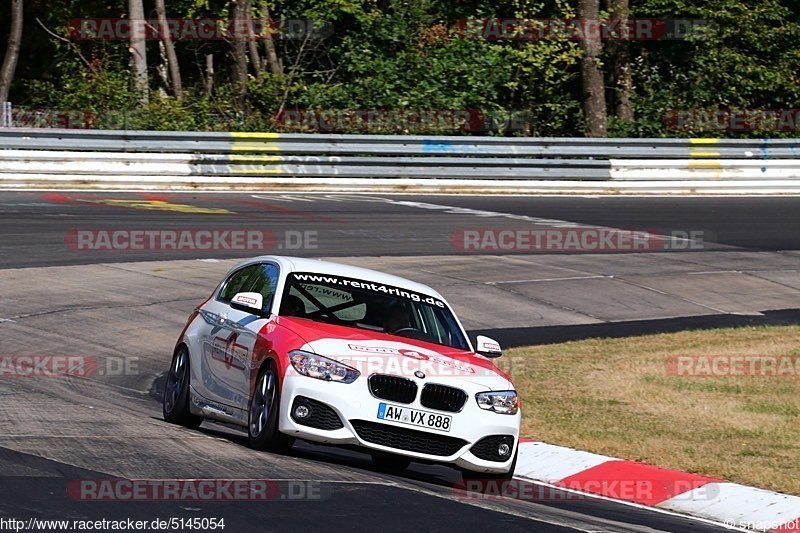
<point>230,334</point>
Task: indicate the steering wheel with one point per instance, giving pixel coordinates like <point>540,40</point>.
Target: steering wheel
<point>413,330</point>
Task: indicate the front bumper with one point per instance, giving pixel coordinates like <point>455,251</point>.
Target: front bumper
<point>357,409</point>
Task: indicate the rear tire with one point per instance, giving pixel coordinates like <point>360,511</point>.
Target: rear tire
<point>175,403</point>
<point>390,463</point>
<point>262,424</point>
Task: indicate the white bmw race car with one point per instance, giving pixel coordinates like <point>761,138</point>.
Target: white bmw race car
<point>299,348</point>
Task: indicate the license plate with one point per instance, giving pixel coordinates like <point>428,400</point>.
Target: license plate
<point>414,417</point>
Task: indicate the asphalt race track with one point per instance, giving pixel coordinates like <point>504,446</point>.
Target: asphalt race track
<point>34,225</point>
<point>112,305</point>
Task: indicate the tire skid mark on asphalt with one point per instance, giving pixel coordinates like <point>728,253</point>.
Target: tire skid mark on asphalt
<point>546,222</point>
<point>755,273</point>
<point>570,278</point>
<point>555,305</point>
<point>671,295</point>
<point>500,286</point>
<point>153,274</point>
<point>93,308</point>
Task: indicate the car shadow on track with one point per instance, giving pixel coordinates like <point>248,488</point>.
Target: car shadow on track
<point>350,458</point>
<point>439,475</point>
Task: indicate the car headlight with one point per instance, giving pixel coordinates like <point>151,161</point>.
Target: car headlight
<point>319,367</point>
<point>503,402</point>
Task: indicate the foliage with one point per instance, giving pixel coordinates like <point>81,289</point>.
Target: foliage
<point>411,55</point>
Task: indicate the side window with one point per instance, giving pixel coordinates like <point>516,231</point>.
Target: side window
<point>237,282</point>
<point>264,281</point>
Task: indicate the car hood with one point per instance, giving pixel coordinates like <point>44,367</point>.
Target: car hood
<point>373,352</point>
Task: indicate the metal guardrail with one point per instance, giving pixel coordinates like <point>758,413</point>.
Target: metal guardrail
<point>187,159</point>
<point>386,145</point>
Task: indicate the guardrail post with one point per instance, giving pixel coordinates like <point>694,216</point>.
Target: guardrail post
<point>8,121</point>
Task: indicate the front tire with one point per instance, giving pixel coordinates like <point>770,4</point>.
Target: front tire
<point>262,425</point>
<point>175,403</point>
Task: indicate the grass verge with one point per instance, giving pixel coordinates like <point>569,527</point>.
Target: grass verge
<point>627,398</point>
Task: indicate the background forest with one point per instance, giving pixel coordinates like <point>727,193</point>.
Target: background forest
<point>414,55</point>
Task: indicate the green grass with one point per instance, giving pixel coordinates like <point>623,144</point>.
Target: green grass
<point>617,397</point>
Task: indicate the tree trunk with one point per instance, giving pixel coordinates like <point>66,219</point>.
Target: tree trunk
<point>138,49</point>
<point>239,45</point>
<point>209,74</point>
<point>594,98</point>
<point>163,70</point>
<point>619,53</point>
<point>255,59</point>
<point>12,52</point>
<point>269,45</point>
<point>169,47</point>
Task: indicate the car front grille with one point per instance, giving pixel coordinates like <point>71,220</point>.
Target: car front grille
<point>443,398</point>
<point>321,416</point>
<point>392,388</point>
<point>407,439</point>
<point>486,448</point>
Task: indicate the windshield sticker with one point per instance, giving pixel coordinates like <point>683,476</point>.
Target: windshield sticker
<point>327,291</point>
<point>307,278</point>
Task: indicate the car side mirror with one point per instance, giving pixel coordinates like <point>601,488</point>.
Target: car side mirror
<point>488,347</point>
<point>249,302</point>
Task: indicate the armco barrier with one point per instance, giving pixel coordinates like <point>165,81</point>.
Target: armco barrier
<point>185,160</point>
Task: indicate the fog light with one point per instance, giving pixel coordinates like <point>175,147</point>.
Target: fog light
<point>301,411</point>
<point>503,450</point>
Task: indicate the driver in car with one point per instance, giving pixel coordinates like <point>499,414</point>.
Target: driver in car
<point>397,319</point>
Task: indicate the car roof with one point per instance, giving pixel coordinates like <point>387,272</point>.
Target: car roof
<point>318,266</point>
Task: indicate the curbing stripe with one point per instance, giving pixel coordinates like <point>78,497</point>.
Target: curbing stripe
<point>669,490</point>
<point>546,462</point>
<point>636,482</point>
<point>792,526</point>
<point>735,503</point>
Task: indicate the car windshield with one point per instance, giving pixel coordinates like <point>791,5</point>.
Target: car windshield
<point>371,306</point>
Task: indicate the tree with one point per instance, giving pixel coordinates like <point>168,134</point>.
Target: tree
<point>619,54</point>
<point>138,50</point>
<point>239,45</point>
<point>594,99</point>
<point>255,58</point>
<point>169,47</point>
<point>274,63</point>
<point>12,52</point>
